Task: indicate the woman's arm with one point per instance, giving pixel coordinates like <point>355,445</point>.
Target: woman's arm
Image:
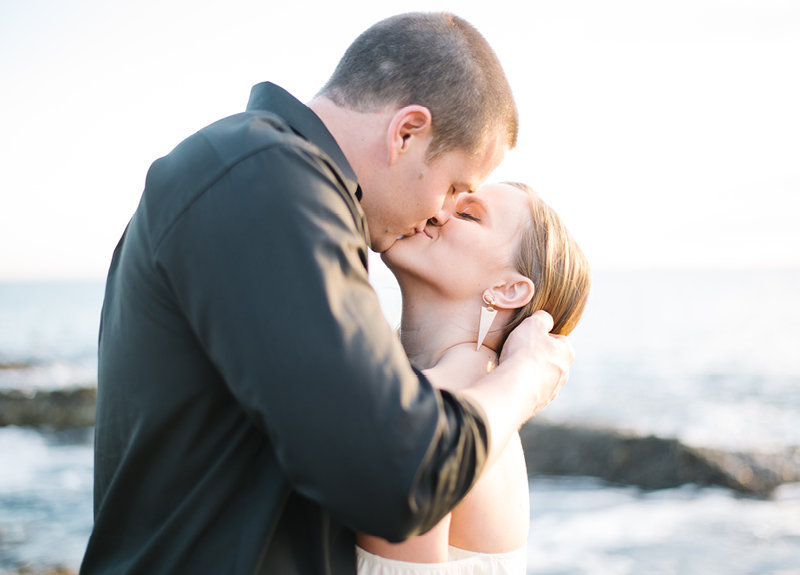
<point>495,515</point>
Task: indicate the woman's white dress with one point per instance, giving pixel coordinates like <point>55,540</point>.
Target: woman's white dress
<point>461,562</point>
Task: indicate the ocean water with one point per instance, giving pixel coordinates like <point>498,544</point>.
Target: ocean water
<point>45,498</point>
<point>51,329</point>
<point>712,358</point>
<point>582,526</point>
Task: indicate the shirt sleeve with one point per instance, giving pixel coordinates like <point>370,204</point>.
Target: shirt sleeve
<point>269,269</point>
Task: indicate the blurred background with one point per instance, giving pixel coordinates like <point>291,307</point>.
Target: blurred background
<point>664,133</point>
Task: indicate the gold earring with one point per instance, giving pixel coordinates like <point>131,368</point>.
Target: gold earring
<point>487,317</point>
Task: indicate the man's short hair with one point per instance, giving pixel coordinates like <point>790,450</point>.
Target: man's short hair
<point>436,60</point>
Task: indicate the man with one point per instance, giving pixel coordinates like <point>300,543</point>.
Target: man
<point>254,408</point>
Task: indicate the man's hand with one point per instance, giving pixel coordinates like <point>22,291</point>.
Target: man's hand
<point>539,358</point>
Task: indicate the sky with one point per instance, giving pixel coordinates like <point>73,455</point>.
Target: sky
<point>664,133</point>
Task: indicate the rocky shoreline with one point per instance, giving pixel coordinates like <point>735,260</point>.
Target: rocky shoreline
<point>58,570</point>
<point>651,462</point>
<point>648,462</point>
<point>62,409</point>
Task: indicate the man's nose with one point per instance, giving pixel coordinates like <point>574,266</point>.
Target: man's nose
<point>448,207</point>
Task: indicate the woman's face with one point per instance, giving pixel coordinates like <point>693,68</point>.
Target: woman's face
<point>472,251</point>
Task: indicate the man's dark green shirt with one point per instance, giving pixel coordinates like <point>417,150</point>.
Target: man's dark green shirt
<point>254,408</point>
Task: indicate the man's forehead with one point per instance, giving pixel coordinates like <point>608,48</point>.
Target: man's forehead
<point>479,167</point>
<point>488,159</point>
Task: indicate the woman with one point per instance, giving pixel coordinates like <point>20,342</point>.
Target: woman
<point>465,286</point>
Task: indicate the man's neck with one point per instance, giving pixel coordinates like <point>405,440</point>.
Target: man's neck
<point>358,134</point>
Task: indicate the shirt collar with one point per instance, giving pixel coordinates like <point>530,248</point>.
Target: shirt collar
<point>267,96</point>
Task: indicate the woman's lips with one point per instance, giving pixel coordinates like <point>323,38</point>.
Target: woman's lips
<point>414,232</point>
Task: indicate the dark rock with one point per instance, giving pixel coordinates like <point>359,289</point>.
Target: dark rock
<point>755,472</point>
<point>651,462</point>
<point>57,570</point>
<point>63,409</point>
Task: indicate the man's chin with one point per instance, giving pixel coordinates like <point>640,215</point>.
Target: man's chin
<point>382,243</point>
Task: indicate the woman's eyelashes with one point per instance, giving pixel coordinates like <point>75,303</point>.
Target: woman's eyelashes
<point>467,216</point>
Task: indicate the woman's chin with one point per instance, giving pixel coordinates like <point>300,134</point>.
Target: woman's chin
<point>395,253</point>
<point>404,267</point>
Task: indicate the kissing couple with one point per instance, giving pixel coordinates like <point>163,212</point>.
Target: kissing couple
<point>256,413</point>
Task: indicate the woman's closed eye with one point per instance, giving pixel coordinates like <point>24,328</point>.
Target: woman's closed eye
<point>467,216</point>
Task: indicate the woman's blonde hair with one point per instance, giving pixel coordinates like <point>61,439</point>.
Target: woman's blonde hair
<point>550,257</point>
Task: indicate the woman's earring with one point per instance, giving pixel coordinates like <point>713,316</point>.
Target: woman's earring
<point>487,317</point>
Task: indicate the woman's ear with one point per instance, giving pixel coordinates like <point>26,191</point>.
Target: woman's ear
<point>409,127</point>
<point>513,293</point>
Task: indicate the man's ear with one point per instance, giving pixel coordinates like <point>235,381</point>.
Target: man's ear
<point>513,293</point>
<point>409,127</point>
